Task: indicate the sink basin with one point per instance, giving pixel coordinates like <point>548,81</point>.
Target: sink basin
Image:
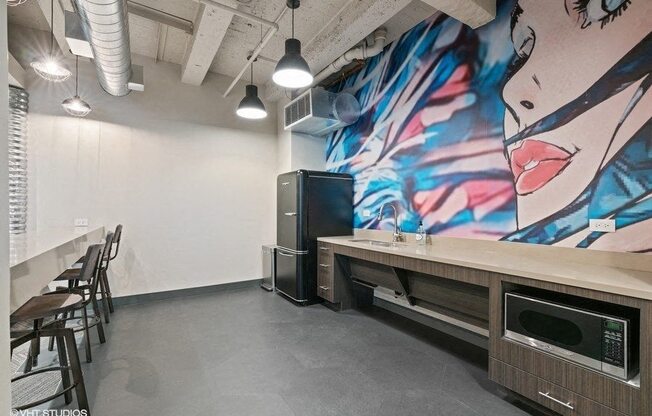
<point>373,242</point>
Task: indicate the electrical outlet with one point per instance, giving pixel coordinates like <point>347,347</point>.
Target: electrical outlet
<point>81,222</point>
<point>366,213</point>
<point>602,226</point>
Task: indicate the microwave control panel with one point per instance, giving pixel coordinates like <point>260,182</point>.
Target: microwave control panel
<point>613,342</point>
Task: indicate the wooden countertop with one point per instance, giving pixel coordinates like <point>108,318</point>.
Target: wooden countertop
<point>618,273</point>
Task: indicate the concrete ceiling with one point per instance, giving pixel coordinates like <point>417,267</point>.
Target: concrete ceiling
<point>327,28</point>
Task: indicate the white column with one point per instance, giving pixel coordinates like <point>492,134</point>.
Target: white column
<point>5,391</point>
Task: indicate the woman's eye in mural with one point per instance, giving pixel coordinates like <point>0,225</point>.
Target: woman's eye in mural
<point>603,11</point>
<point>523,38</point>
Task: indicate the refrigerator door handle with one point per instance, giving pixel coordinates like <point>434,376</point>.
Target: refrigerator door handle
<point>290,214</point>
<point>284,255</point>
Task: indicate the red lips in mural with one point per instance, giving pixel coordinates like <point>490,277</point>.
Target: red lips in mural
<point>535,163</point>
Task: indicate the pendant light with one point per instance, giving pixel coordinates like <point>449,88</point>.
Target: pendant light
<point>75,106</point>
<point>251,107</point>
<point>48,67</point>
<point>292,71</point>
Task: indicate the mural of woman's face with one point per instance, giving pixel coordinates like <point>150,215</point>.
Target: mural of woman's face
<point>563,47</point>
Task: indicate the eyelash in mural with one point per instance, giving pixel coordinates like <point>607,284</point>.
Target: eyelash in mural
<point>603,11</point>
<point>523,51</point>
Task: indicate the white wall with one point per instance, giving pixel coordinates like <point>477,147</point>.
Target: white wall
<point>192,183</point>
<point>5,393</point>
<point>298,151</point>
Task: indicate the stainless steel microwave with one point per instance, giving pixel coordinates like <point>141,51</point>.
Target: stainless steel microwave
<point>592,339</point>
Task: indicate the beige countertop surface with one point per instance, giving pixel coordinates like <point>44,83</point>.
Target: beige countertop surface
<point>38,257</point>
<point>619,273</point>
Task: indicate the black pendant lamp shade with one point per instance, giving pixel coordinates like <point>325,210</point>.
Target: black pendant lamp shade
<point>292,71</point>
<point>251,106</point>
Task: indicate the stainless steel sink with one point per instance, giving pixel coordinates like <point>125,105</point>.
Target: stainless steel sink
<point>373,242</point>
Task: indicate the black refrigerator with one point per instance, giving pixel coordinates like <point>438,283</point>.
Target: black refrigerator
<point>310,204</point>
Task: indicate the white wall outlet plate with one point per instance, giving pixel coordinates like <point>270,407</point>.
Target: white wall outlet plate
<point>81,222</point>
<point>366,213</point>
<point>602,226</point>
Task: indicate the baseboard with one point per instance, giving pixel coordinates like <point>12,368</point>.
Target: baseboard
<point>180,293</point>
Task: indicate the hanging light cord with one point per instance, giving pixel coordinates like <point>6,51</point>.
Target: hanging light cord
<point>76,75</point>
<point>252,72</point>
<point>292,22</point>
<point>52,29</point>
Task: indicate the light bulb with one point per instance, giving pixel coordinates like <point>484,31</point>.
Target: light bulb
<point>75,106</point>
<point>51,70</point>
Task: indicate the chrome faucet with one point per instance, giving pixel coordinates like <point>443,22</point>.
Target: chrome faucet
<point>398,235</point>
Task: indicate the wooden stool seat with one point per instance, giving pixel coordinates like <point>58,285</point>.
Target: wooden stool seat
<point>41,307</point>
<point>70,274</point>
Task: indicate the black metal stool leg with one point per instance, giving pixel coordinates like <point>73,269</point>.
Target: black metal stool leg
<point>77,375</point>
<point>100,327</point>
<point>63,363</point>
<point>109,296</point>
<point>105,302</point>
<point>34,348</point>
<point>87,335</point>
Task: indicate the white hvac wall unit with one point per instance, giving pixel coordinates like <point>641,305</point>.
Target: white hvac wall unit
<point>318,112</point>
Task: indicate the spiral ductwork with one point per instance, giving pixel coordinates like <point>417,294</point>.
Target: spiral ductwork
<point>17,138</point>
<point>106,26</point>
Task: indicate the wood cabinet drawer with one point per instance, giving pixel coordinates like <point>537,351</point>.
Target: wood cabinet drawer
<point>549,395</point>
<point>587,383</point>
<point>325,274</point>
<point>325,283</point>
<point>567,403</point>
<point>324,251</point>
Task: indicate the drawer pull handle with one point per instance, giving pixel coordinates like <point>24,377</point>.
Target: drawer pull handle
<point>324,288</point>
<point>324,248</point>
<point>284,255</point>
<point>548,396</point>
<point>325,266</point>
<point>290,214</point>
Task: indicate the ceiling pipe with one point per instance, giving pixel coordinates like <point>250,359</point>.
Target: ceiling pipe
<point>273,28</point>
<point>160,16</point>
<point>357,53</point>
<point>106,27</point>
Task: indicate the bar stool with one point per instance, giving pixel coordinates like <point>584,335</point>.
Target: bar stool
<point>72,275</point>
<point>106,290</point>
<point>85,284</point>
<point>38,309</point>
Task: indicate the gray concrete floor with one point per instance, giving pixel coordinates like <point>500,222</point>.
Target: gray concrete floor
<point>249,352</point>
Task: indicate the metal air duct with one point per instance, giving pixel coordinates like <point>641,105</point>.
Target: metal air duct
<point>106,26</point>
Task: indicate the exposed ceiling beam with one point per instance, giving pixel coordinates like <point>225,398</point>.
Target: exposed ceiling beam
<point>161,42</point>
<point>211,25</point>
<point>16,72</point>
<point>160,16</point>
<point>347,28</point>
<point>474,13</point>
<point>59,23</point>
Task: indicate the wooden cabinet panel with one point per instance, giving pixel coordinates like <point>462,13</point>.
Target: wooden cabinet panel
<point>460,300</point>
<point>549,395</point>
<point>567,403</point>
<point>325,279</point>
<point>375,274</point>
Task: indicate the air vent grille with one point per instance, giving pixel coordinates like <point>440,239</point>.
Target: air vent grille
<point>298,109</point>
